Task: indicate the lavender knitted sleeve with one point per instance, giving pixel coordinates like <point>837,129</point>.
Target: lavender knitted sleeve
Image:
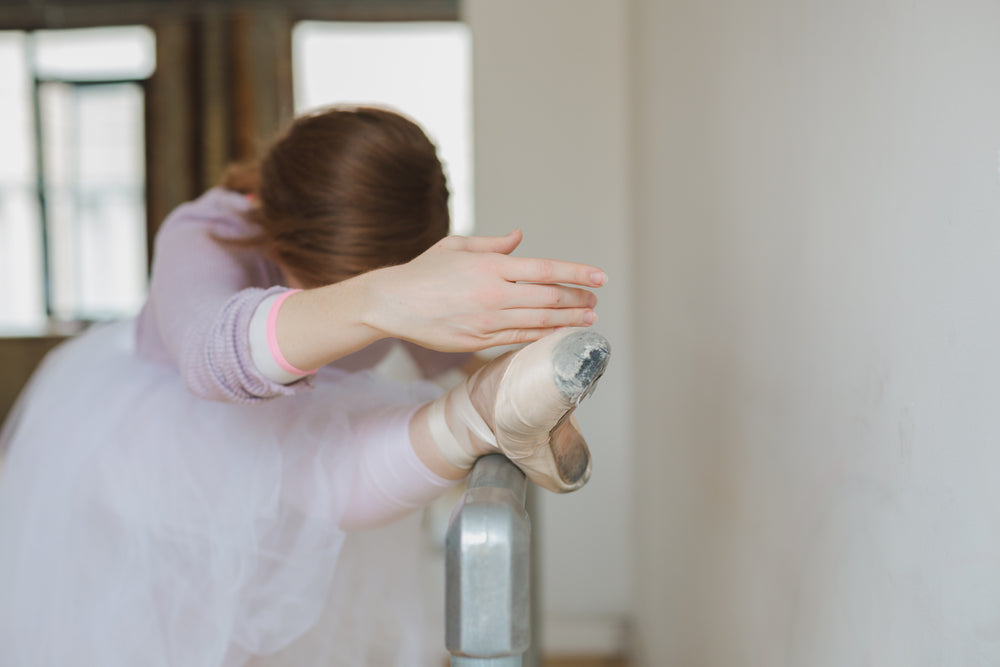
<point>202,296</point>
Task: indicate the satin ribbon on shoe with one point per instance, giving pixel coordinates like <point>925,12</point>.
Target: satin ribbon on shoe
<point>460,452</point>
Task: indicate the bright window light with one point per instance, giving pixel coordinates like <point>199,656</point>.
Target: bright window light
<point>21,272</point>
<point>77,249</point>
<point>127,52</point>
<point>422,70</point>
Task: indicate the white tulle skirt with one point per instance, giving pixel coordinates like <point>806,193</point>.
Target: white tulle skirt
<point>140,525</point>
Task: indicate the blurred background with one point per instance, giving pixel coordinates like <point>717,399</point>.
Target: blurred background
<point>796,447</point>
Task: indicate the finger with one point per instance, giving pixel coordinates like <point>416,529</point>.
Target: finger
<point>518,336</point>
<point>533,295</point>
<point>525,269</point>
<point>499,244</point>
<point>542,318</point>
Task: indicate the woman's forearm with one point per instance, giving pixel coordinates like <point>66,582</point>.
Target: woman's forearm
<point>317,326</point>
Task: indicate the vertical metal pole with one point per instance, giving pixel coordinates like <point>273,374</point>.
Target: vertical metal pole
<point>488,569</point>
<point>533,656</point>
<point>502,661</point>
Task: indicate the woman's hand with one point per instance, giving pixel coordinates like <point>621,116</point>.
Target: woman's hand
<point>467,293</point>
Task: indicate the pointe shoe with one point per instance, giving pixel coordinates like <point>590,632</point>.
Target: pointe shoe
<point>532,416</point>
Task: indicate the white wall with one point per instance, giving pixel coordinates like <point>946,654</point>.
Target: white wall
<point>550,136</point>
<point>818,306</point>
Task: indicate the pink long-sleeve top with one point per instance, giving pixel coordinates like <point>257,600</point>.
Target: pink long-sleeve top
<point>202,295</point>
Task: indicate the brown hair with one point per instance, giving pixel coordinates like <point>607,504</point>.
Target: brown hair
<point>346,190</point>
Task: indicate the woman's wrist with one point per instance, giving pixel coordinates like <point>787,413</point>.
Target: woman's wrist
<point>375,295</point>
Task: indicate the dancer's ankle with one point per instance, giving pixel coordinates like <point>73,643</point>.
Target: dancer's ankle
<point>427,450</point>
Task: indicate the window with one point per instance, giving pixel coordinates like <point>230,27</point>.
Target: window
<point>72,199</point>
<point>422,69</point>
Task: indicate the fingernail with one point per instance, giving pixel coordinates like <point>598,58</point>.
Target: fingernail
<point>590,317</point>
<point>599,277</point>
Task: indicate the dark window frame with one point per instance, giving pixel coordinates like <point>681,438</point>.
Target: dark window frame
<point>40,178</point>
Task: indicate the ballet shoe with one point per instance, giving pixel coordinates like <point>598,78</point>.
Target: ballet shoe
<point>521,404</point>
<point>532,410</point>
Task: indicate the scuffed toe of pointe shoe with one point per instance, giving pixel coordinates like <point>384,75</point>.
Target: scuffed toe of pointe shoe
<point>578,362</point>
<point>541,388</point>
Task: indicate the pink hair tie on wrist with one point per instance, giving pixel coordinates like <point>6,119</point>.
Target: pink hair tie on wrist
<point>272,336</point>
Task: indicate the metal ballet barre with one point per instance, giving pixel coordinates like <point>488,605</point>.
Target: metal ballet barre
<point>488,569</point>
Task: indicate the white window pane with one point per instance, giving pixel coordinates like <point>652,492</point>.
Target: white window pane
<point>16,125</point>
<point>20,263</point>
<point>124,52</point>
<point>93,141</point>
<point>21,269</point>
<point>420,69</point>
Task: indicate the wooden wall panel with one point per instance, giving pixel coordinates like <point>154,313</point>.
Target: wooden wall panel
<point>18,359</point>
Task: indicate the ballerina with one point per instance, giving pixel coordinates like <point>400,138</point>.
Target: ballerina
<point>177,489</point>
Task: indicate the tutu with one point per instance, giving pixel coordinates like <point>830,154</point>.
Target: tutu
<point>141,525</point>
